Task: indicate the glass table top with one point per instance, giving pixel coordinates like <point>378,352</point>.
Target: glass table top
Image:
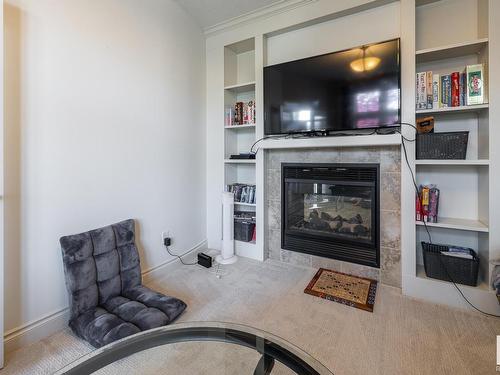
<point>198,348</point>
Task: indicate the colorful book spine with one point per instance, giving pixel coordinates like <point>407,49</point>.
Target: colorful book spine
<point>435,91</point>
<point>422,91</point>
<point>238,113</point>
<point>455,89</point>
<point>462,89</point>
<point>428,86</point>
<point>446,90</point>
<point>432,214</point>
<point>475,84</point>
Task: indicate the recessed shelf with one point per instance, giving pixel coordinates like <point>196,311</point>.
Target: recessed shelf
<point>239,161</point>
<point>244,242</point>
<point>451,50</point>
<point>458,224</point>
<point>464,108</point>
<point>453,162</point>
<point>421,274</point>
<point>236,127</point>
<point>245,204</point>
<point>241,87</point>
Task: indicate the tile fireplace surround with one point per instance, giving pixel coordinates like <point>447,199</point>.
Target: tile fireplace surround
<point>389,158</point>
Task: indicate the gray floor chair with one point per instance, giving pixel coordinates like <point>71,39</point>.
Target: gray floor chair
<point>107,300</point>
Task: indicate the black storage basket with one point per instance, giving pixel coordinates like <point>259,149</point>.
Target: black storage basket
<point>446,267</point>
<point>243,230</point>
<point>450,145</point>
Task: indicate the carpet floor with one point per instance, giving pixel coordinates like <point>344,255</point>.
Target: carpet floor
<point>401,336</point>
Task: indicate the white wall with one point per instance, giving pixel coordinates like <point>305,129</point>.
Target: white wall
<point>104,122</point>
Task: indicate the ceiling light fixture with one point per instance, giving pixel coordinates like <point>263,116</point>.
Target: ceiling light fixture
<point>365,63</point>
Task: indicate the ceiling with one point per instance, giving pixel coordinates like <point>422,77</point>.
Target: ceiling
<point>211,12</point>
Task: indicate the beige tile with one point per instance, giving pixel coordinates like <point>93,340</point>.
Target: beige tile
<point>390,191</point>
<point>390,229</point>
<point>390,266</point>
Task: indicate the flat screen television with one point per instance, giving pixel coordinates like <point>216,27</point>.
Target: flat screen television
<point>344,91</point>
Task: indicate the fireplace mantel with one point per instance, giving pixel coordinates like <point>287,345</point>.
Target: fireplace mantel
<point>342,141</point>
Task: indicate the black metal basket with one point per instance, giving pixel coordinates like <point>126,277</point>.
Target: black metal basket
<point>243,230</point>
<point>450,145</point>
<point>449,268</point>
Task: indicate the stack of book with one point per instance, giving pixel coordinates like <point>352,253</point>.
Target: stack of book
<point>451,90</point>
<point>240,114</point>
<point>427,204</point>
<point>243,193</point>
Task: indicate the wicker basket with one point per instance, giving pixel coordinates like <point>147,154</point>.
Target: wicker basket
<point>445,267</point>
<point>451,145</point>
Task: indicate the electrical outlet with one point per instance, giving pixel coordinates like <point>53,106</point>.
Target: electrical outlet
<point>165,238</point>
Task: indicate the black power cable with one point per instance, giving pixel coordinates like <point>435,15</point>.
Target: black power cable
<point>179,256</point>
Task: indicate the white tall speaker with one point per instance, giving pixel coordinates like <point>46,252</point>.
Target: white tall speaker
<point>227,253</point>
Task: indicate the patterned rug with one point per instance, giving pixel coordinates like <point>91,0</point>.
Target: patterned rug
<point>342,288</point>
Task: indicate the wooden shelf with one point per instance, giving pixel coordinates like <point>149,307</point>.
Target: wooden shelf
<point>241,87</point>
<point>467,108</point>
<point>457,224</point>
<point>239,161</point>
<point>453,162</point>
<point>451,51</point>
<point>237,127</point>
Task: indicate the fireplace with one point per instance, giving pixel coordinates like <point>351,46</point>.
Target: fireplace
<point>332,210</point>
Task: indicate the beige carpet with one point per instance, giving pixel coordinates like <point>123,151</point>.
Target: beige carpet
<point>401,336</point>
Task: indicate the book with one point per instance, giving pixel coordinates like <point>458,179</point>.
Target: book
<point>429,93</point>
<point>229,116</point>
<point>435,91</point>
<point>421,90</point>
<point>457,255</point>
<point>455,89</point>
<point>429,196</point>
<point>475,84</point>
<point>243,193</point>
<point>462,89</point>
<point>432,214</point>
<point>446,90</point>
<point>238,113</point>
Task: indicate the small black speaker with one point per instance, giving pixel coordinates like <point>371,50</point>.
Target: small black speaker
<point>204,260</point>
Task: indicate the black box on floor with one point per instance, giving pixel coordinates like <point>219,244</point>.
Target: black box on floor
<point>204,260</point>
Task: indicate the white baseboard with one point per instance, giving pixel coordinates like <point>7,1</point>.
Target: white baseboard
<point>48,325</point>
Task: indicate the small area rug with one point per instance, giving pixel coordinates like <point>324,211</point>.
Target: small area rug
<point>346,289</point>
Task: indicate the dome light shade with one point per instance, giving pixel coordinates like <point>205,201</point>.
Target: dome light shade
<point>365,63</point>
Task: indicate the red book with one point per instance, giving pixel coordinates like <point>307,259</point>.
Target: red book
<point>455,89</point>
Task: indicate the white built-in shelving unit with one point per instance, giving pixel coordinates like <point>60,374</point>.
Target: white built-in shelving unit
<point>464,208</point>
<point>240,85</point>
<point>438,35</point>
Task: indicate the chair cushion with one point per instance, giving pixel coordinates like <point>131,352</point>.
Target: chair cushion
<point>99,327</point>
<point>171,306</point>
<point>103,278</point>
<point>137,313</point>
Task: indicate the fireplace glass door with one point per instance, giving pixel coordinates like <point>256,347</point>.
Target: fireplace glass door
<point>336,210</point>
<point>331,211</point>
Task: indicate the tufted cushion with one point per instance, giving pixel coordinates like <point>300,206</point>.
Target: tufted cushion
<point>103,278</point>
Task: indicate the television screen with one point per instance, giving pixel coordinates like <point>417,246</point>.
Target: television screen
<point>341,91</point>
